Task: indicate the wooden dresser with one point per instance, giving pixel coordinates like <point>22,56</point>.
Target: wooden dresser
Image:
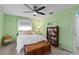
<point>40,48</point>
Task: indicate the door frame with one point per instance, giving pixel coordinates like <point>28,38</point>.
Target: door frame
<point>75,34</point>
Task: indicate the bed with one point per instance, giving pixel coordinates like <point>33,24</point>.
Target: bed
<point>23,40</point>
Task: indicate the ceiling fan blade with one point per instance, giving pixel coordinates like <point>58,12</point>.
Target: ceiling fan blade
<point>28,6</point>
<point>41,13</point>
<point>40,8</point>
<point>28,11</point>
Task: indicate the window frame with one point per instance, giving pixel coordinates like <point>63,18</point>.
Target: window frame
<point>27,20</point>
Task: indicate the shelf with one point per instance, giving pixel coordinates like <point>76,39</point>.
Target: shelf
<point>53,35</point>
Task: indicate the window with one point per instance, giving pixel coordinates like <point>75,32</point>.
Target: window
<point>24,24</point>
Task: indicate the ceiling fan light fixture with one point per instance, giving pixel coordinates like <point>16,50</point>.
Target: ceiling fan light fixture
<point>34,13</point>
<point>51,13</point>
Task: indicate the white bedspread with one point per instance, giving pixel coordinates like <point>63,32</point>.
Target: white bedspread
<point>27,39</point>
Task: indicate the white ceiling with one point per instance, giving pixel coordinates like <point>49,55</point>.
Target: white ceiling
<point>19,9</point>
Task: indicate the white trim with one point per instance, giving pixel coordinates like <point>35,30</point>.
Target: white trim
<point>75,37</point>
<point>74,34</point>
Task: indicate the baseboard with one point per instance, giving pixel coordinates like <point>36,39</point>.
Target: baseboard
<point>65,49</point>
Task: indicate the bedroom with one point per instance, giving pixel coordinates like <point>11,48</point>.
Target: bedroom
<point>61,15</point>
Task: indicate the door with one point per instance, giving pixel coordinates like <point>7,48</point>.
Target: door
<point>77,32</point>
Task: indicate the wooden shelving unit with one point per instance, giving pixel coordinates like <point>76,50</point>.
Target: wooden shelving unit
<point>53,35</point>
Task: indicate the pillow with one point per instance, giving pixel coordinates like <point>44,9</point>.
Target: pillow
<point>29,32</point>
<point>20,33</point>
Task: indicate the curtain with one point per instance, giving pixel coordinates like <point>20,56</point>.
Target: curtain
<point>24,24</point>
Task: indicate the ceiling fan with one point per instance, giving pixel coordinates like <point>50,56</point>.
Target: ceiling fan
<point>35,10</point>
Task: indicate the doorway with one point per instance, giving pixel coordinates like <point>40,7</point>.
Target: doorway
<point>77,34</point>
<point>77,31</point>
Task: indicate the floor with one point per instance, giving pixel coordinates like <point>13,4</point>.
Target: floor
<point>8,50</point>
<point>11,50</point>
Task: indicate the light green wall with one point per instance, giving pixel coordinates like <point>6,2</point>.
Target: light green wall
<point>35,25</point>
<point>1,25</point>
<point>65,20</point>
<point>10,26</point>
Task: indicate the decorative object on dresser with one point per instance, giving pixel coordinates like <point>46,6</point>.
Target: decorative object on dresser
<point>53,35</point>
